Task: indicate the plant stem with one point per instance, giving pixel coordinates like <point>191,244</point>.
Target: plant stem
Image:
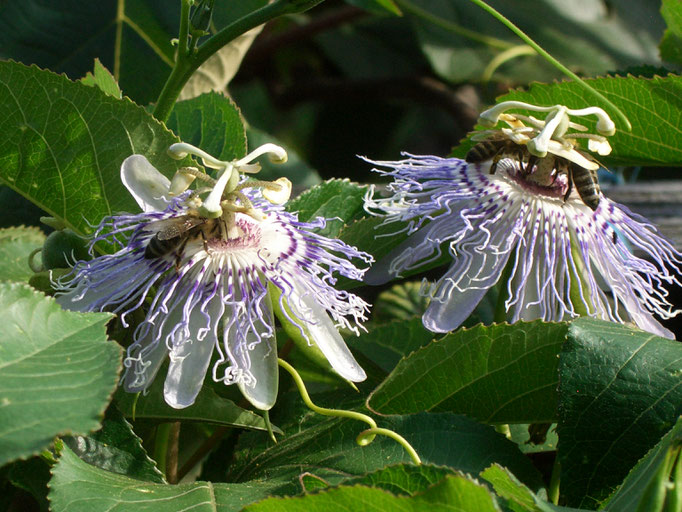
<point>555,479</point>
<point>184,31</point>
<point>161,445</point>
<point>186,65</point>
<point>506,22</point>
<point>172,454</point>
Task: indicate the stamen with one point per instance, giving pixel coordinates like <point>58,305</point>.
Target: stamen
<point>277,153</point>
<point>180,150</point>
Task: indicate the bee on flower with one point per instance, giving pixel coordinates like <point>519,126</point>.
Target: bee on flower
<point>210,267</point>
<point>526,211</point>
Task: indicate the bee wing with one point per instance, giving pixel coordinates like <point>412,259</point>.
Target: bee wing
<point>167,229</point>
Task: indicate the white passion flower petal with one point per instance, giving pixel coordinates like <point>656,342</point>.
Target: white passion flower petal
<point>145,183</point>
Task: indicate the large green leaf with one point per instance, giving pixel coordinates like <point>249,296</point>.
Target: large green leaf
<point>327,449</point>
<point>460,39</point>
<point>620,391</point>
<point>133,39</point>
<point>116,448</point>
<point>63,144</point>
<point>498,374</point>
<point>57,371</point>
<point>211,122</point>
<point>651,104</point>
<point>79,487</point>
<point>453,493</point>
<point>671,44</point>
<point>16,244</point>
<point>633,491</point>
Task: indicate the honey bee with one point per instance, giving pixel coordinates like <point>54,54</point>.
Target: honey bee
<point>497,147</point>
<point>174,234</point>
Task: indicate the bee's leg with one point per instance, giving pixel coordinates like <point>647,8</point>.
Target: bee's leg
<point>179,254</point>
<point>532,160</point>
<point>569,175</point>
<point>496,159</point>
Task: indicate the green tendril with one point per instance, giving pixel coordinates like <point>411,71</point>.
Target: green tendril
<point>365,437</point>
<point>506,22</point>
<point>268,426</point>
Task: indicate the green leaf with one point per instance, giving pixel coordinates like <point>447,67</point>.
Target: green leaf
<point>671,44</point>
<point>333,198</point>
<point>460,493</point>
<point>63,144</point>
<point>16,244</point>
<point>460,39</point>
<point>116,448</point>
<point>498,374</point>
<point>402,479</point>
<point>101,78</point>
<point>518,497</point>
<point>620,391</point>
<point>57,371</point>
<point>630,494</point>
<point>327,449</point>
<point>386,344</point>
<point>211,122</point>
<point>76,486</point>
<point>650,104</point>
<point>208,407</point>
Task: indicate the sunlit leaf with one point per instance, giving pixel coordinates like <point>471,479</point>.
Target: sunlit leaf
<point>620,391</point>
<point>58,371</point>
<point>211,122</point>
<point>498,374</point>
<point>651,105</point>
<point>63,144</point>
<point>101,78</point>
<point>452,493</point>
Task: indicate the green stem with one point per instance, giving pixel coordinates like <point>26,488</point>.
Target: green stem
<point>506,22</point>
<point>493,42</point>
<point>185,67</point>
<point>161,445</point>
<point>555,479</point>
<point>184,30</point>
